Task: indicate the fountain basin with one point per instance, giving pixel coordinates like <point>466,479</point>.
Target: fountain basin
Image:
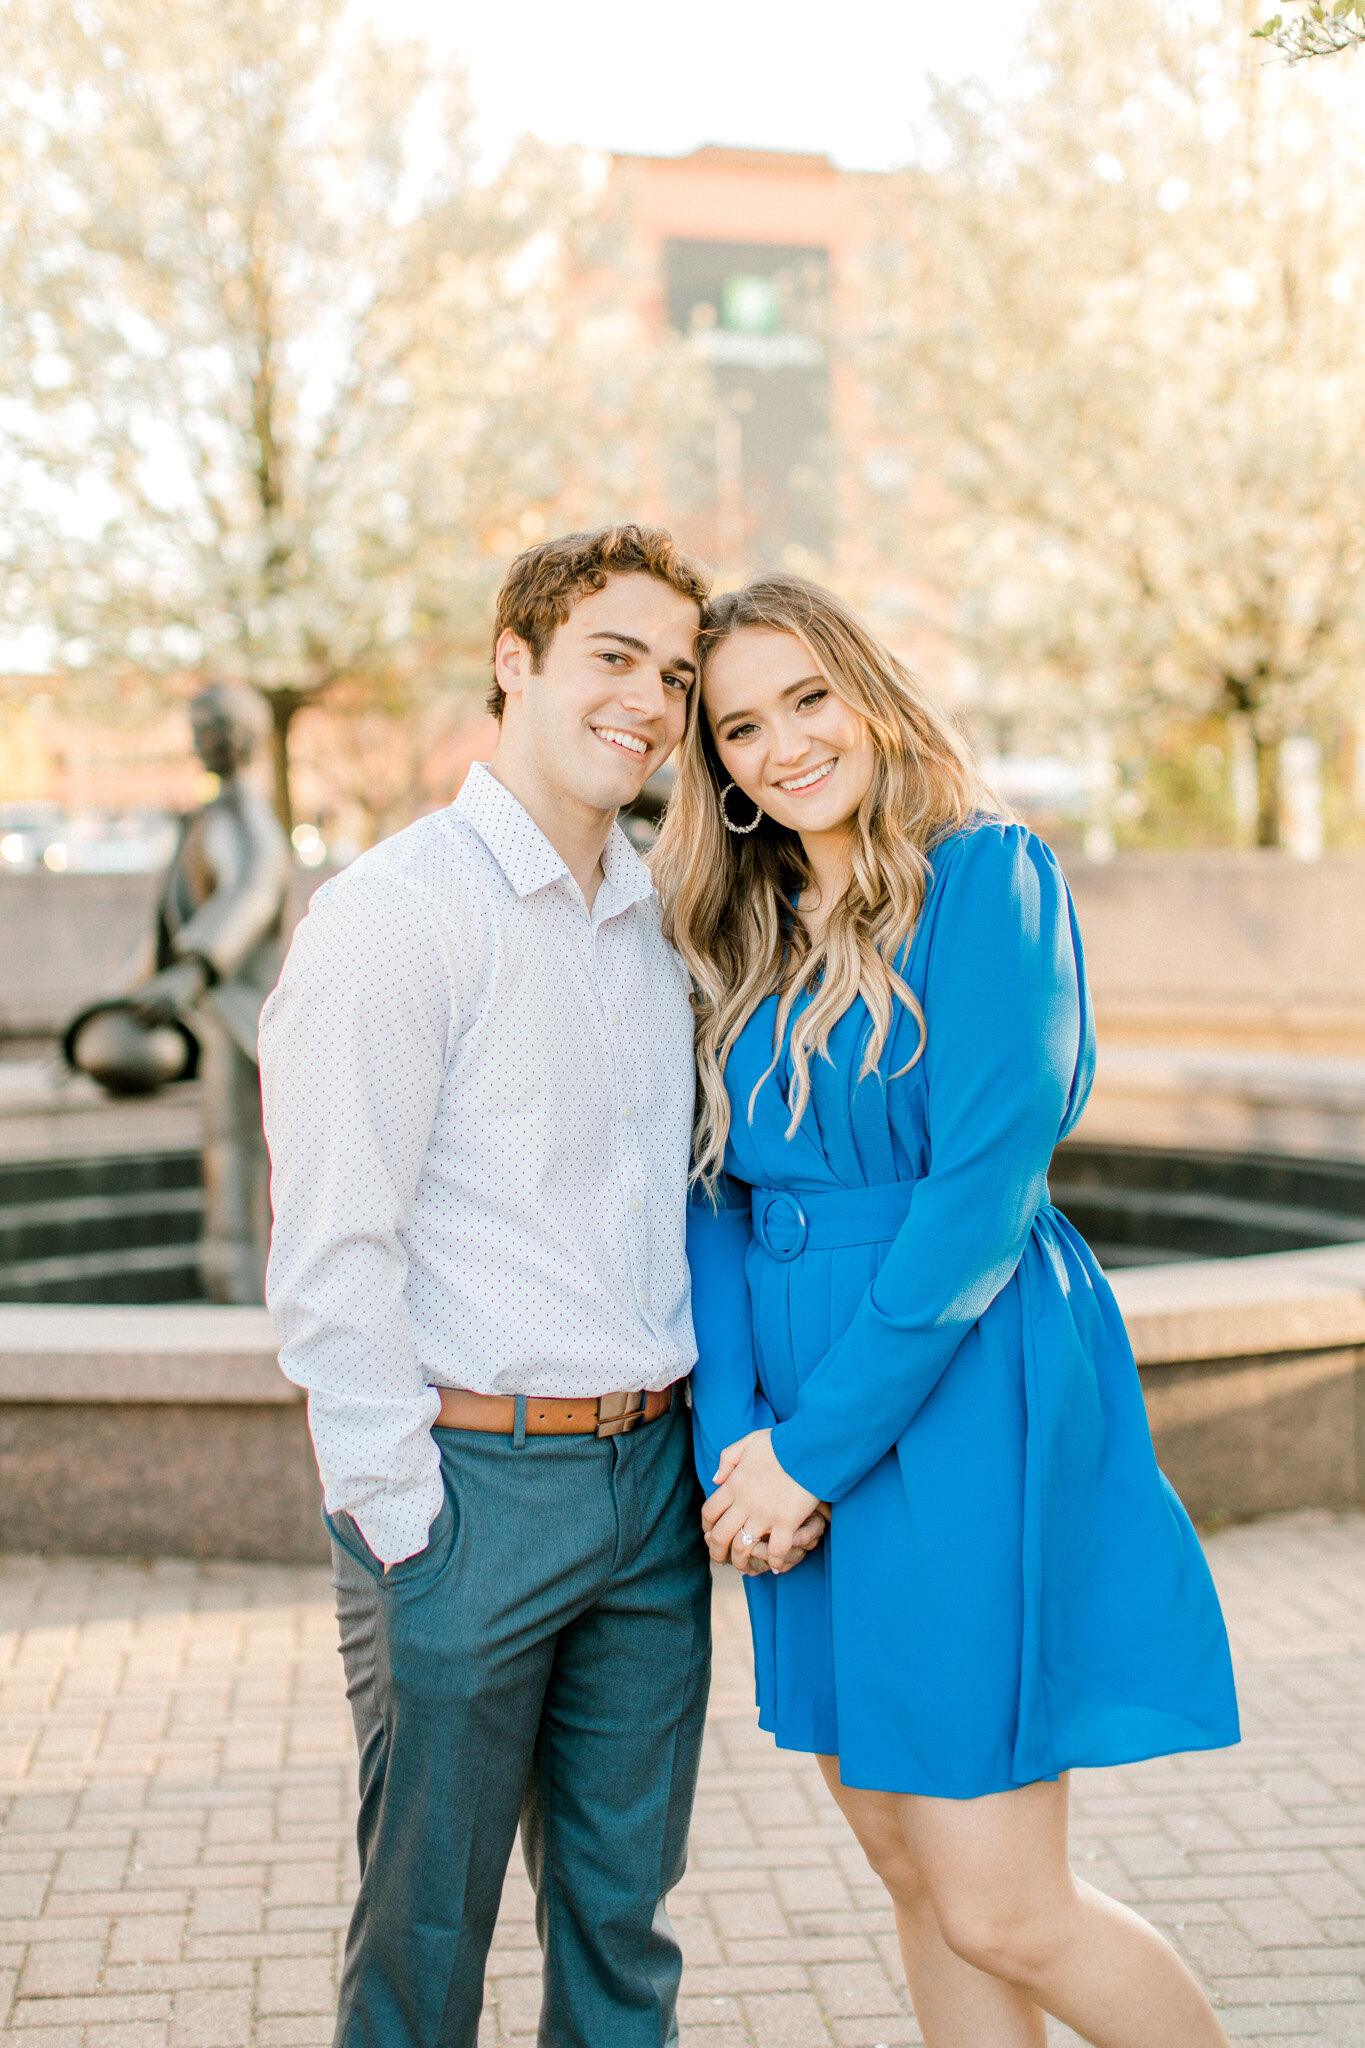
<point>170,1431</point>
<point>155,1424</point>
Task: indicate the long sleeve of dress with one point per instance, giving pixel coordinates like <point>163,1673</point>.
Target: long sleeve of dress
<point>354,1047</point>
<point>1003,999</point>
<point>726,1401</point>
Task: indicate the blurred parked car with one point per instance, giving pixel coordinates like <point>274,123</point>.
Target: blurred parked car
<point>37,836</point>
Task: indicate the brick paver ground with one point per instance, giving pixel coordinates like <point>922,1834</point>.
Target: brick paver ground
<point>175,1814</point>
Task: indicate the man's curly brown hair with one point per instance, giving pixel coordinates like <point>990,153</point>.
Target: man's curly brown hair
<point>545,583</point>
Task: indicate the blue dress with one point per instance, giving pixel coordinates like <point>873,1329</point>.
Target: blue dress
<point>1009,1587</point>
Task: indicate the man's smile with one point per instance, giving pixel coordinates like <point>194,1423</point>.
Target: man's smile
<point>617,736</point>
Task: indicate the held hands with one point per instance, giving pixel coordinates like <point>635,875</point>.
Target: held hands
<point>751,1560</point>
<point>754,1494</point>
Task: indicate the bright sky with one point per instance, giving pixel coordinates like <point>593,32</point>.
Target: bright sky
<point>844,76</point>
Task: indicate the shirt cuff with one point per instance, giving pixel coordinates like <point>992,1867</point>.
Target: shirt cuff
<point>398,1525</point>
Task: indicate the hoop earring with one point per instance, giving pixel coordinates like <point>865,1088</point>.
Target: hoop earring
<point>739,831</point>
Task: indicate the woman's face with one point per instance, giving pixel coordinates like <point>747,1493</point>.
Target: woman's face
<point>793,747</point>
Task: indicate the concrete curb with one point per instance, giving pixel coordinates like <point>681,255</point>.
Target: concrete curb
<point>195,1352</point>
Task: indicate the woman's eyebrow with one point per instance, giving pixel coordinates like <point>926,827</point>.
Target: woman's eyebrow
<point>790,691</point>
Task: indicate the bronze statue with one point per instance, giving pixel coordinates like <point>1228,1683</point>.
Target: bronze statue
<point>219,949</point>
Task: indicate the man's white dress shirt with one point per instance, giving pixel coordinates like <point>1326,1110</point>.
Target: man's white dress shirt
<point>478,1098</point>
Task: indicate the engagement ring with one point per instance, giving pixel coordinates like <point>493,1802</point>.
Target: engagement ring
<point>745,1537</point>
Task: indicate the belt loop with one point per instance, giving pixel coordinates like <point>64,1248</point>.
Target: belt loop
<point>519,1422</point>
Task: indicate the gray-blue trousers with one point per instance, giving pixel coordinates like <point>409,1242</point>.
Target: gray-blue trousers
<point>545,1658</point>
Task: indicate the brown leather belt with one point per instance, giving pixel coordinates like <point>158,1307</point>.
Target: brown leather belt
<point>605,1415</point>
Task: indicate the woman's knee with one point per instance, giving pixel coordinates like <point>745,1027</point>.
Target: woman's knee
<point>874,1820</point>
<point>889,1858</point>
<point>893,1864</point>
<point>1016,1939</point>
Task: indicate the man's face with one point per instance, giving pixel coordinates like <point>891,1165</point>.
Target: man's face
<point>610,704</point>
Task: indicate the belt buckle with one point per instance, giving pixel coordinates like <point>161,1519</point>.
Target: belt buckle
<point>783,1253</point>
<point>618,1414</point>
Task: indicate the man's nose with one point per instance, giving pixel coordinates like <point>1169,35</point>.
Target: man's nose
<point>644,692</point>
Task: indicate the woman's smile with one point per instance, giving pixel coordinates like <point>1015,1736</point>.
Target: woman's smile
<point>810,778</point>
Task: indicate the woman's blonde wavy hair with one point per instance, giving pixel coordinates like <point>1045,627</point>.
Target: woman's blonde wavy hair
<point>728,901</point>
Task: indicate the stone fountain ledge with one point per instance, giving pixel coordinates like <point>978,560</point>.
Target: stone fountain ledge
<point>1254,1375</point>
<point>1205,1309</point>
<point>1277,1102</point>
<point>189,1352</point>
<point>193,1353</point>
<point>172,1431</point>
<point>153,1432</point>
<point>47,1113</point>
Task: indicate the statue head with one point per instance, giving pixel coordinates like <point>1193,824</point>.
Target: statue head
<point>227,721</point>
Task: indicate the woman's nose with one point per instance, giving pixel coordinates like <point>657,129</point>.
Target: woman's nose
<point>789,746</point>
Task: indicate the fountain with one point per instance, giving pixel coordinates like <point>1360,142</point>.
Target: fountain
<point>1221,1185</point>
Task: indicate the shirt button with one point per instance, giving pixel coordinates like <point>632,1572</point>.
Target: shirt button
<point>617,1019</point>
<point>636,1204</point>
<point>626,1113</point>
<point>644,1297</point>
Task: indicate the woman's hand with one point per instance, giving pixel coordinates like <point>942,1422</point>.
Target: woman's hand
<point>750,1560</point>
<point>755,1495</point>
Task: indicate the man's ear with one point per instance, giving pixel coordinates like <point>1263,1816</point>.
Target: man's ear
<point>511,662</point>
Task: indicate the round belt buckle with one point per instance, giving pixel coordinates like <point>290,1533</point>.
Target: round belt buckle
<point>781,1228</point>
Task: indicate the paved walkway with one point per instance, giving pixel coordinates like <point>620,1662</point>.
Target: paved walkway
<point>175,1785</point>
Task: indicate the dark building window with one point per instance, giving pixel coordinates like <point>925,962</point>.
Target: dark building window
<point>757,312</point>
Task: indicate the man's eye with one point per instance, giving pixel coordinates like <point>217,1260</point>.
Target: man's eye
<point>682,683</point>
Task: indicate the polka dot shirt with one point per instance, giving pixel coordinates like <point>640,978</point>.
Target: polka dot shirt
<point>478,1098</point>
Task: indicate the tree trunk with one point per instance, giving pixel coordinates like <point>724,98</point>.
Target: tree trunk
<point>1243,786</point>
<point>1267,790</point>
<point>283,704</point>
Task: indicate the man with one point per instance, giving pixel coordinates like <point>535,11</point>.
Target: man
<point>478,1089</point>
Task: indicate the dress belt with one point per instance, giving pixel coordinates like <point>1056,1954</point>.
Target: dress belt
<point>789,1221</point>
<point>593,1415</point>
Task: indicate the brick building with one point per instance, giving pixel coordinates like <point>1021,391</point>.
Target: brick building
<point>750,254</point>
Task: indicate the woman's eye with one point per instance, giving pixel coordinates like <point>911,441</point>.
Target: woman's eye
<point>740,732</point>
<point>814,697</point>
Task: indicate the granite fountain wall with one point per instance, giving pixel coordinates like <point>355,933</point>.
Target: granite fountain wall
<point>1220,1172</point>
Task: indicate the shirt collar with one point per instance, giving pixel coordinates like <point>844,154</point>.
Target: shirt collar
<point>627,877</point>
<point>526,856</point>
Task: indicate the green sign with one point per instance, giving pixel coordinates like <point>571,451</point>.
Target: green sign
<point>749,304</point>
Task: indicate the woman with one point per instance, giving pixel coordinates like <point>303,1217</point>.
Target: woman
<point>893,1031</point>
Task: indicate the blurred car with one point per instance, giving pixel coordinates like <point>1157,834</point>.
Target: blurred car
<point>41,835</point>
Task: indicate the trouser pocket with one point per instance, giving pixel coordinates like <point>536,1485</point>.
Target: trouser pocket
<point>423,1565</point>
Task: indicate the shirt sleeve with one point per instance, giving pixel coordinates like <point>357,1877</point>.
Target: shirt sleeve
<point>726,1400</point>
<point>1003,1002</point>
<point>354,1045</point>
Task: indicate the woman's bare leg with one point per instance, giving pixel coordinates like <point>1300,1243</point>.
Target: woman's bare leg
<point>957,2006</point>
<point>1007,1901</point>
